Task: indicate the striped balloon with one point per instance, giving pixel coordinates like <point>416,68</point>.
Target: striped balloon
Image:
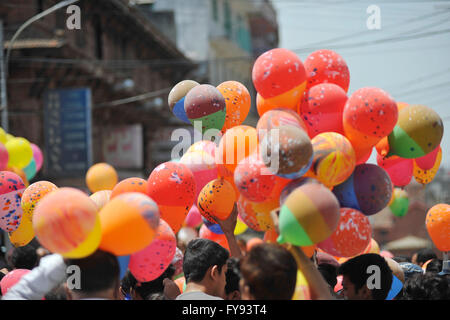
<point>309,215</point>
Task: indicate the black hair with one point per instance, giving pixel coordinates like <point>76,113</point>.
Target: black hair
<point>424,255</point>
<point>356,269</point>
<point>200,255</point>
<point>427,286</point>
<point>233,276</point>
<point>400,259</point>
<point>149,288</point>
<point>270,272</point>
<point>99,271</point>
<point>24,258</point>
<point>434,265</point>
<point>329,273</point>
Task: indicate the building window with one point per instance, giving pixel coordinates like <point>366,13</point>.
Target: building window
<point>227,19</point>
<point>215,10</point>
<point>98,33</point>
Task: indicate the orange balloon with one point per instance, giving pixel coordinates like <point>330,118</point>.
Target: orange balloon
<point>237,101</point>
<point>438,226</point>
<point>247,213</point>
<point>236,144</point>
<point>180,282</point>
<point>262,211</point>
<point>309,250</point>
<point>216,199</point>
<point>221,239</point>
<point>101,176</point>
<point>101,198</point>
<point>129,223</point>
<point>271,236</point>
<point>130,185</point>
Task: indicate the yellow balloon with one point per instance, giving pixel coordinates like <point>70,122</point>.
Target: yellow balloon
<point>3,137</point>
<point>101,176</point>
<point>20,152</point>
<point>9,137</point>
<point>426,176</point>
<point>301,288</point>
<point>89,246</point>
<point>241,227</point>
<point>23,234</point>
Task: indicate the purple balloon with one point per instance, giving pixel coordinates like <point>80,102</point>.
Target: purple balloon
<point>38,157</point>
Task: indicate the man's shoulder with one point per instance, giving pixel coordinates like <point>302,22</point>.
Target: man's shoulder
<point>196,295</point>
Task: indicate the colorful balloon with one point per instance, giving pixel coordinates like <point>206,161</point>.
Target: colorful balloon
<point>216,200</point>
<point>438,226</point>
<point>276,118</point>
<point>101,176</point>
<point>193,218</point>
<point>3,137</point>
<point>151,262</point>
<point>33,194</point>
<point>101,198</point>
<point>291,186</point>
<point>263,105</point>
<point>23,234</point>
<point>399,170</point>
<point>322,109</point>
<point>279,75</point>
<point>368,189</point>
<point>213,227</point>
<point>11,190</point>
<point>37,156</point>
<point>205,104</point>
<point>177,97</point>
<point>400,204</point>
<point>172,186</point>
<point>129,223</point>
<point>301,288</point>
<point>352,235</point>
<point>241,227</point>
<point>418,132</point>
<point>262,213</point>
<point>202,166</point>
<point>334,158</point>
<point>427,162</point>
<point>309,215</point>
<point>253,179</point>
<point>236,144</point>
<point>11,279</point>
<point>66,222</point>
<point>30,170</point>
<point>129,185</point>
<point>221,239</point>
<point>204,146</point>
<point>247,213</point>
<point>238,103</point>
<point>327,66</point>
<point>4,157</point>
<point>426,176</point>
<point>20,152</point>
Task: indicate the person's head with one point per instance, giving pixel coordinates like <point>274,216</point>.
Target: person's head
<point>98,277</point>
<point>422,256</point>
<point>401,259</point>
<point>435,265</point>
<point>410,269</point>
<point>143,290</point>
<point>58,293</point>
<point>232,291</point>
<point>205,263</point>
<point>366,277</point>
<point>427,286</point>
<point>24,258</point>
<point>329,273</point>
<point>268,272</point>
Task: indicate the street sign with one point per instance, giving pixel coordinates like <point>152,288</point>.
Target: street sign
<point>67,127</point>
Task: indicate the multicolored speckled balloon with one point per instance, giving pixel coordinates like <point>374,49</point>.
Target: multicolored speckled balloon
<point>149,263</point>
<point>438,226</point>
<point>177,96</point>
<point>216,200</point>
<point>33,194</point>
<point>368,189</point>
<point>11,190</point>
<point>351,237</point>
<point>238,103</point>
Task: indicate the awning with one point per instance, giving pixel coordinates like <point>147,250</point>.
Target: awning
<point>408,243</point>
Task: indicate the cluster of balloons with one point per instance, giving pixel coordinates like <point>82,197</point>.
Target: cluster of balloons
<point>20,156</point>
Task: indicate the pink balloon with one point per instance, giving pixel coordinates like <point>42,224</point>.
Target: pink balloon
<point>400,170</point>
<point>386,254</point>
<point>427,162</point>
<point>38,157</point>
<point>193,218</point>
<point>4,157</point>
<point>149,263</point>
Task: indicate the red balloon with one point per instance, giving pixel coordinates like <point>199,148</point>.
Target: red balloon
<point>400,170</point>
<point>221,239</point>
<point>130,185</point>
<point>253,179</point>
<point>327,66</point>
<point>277,71</point>
<point>322,108</point>
<point>427,162</point>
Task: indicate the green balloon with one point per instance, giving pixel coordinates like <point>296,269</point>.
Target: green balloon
<point>30,170</point>
<point>399,206</point>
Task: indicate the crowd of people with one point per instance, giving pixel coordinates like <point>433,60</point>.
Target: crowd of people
<point>267,271</point>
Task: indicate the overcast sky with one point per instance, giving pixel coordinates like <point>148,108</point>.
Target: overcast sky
<point>416,71</point>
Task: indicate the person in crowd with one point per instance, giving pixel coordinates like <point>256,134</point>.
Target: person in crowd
<point>427,286</point>
<point>329,273</point>
<point>232,291</point>
<point>434,265</point>
<point>422,256</point>
<point>410,269</point>
<point>366,277</point>
<point>24,258</point>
